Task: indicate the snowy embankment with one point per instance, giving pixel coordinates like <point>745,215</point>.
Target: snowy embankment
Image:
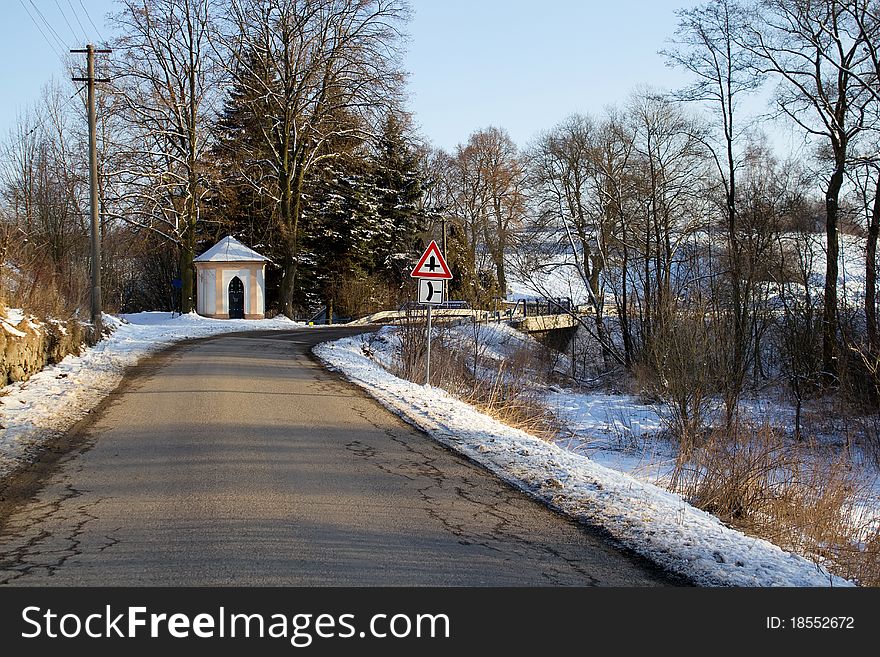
<point>643,517</point>
<point>54,399</point>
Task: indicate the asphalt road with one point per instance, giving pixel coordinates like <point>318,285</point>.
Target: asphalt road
<point>239,460</point>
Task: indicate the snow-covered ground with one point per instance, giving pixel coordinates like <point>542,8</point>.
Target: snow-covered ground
<point>58,396</point>
<point>640,515</point>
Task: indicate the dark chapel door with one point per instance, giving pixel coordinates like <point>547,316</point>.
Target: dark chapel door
<point>236,299</point>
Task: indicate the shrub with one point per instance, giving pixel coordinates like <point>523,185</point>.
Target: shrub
<point>793,494</point>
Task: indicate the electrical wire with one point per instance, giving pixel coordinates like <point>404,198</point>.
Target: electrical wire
<point>49,25</point>
<point>40,29</point>
<point>88,16</point>
<point>8,147</point>
<point>64,17</point>
<point>76,16</point>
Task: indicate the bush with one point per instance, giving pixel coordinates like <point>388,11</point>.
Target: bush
<point>680,370</point>
<point>795,495</point>
<point>508,390</point>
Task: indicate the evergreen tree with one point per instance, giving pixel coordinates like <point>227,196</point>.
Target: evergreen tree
<point>360,207</point>
<point>399,187</point>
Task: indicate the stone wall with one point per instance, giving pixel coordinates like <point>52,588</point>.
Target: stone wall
<point>43,343</point>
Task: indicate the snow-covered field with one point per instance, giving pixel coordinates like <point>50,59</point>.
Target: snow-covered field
<point>640,515</point>
<point>60,395</point>
<point>560,279</point>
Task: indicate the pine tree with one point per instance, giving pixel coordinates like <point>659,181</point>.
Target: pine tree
<point>399,186</point>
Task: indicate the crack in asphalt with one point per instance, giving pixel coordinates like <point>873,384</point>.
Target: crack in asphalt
<point>501,530</point>
<point>77,506</point>
<point>29,556</point>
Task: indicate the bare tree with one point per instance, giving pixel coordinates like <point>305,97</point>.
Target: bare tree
<point>705,45</point>
<point>865,177</point>
<point>503,170</point>
<point>617,184</point>
<point>865,18</point>
<point>861,23</point>
<point>669,154</point>
<point>42,187</point>
<point>462,195</point>
<point>574,173</point>
<point>165,84</point>
<point>466,187</point>
<point>812,49</point>
<point>309,73</point>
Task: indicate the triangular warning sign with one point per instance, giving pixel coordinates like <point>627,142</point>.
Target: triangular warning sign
<point>431,264</point>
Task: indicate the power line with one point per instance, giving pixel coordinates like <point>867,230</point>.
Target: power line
<point>34,21</point>
<point>100,36</point>
<point>49,25</point>
<point>76,16</point>
<point>64,16</point>
<point>8,147</point>
<point>63,106</point>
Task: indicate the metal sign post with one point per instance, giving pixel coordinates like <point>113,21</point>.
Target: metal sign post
<point>428,366</point>
<point>431,271</point>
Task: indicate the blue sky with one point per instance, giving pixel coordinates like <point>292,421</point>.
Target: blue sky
<point>521,65</point>
<point>526,65</point>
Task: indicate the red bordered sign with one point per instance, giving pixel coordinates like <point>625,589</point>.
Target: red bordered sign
<point>431,264</point>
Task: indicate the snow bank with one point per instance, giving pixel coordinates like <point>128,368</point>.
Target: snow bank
<point>647,519</point>
<point>13,316</point>
<point>54,399</point>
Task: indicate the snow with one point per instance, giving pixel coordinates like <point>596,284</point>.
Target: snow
<point>557,277</point>
<point>12,330</point>
<point>14,316</point>
<point>230,249</point>
<point>558,282</point>
<point>617,431</point>
<point>496,340</point>
<point>54,399</point>
<point>640,515</point>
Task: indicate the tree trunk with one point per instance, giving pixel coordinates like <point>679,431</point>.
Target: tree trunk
<point>188,239</point>
<point>186,274</point>
<point>502,277</point>
<point>289,220</point>
<point>871,273</point>
<point>829,313</point>
<point>735,378</point>
<point>598,308</point>
<point>288,275</point>
<point>623,309</point>
<point>601,334</point>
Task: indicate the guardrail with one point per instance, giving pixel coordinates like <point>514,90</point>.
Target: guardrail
<point>537,307</point>
<point>395,316</point>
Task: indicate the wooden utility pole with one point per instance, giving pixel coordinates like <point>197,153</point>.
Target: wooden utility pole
<point>96,305</point>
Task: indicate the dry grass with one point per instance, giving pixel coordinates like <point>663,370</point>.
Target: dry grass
<point>801,497</point>
<point>794,495</point>
<point>45,293</point>
<point>503,390</point>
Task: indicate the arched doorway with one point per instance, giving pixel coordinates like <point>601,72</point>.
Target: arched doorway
<point>236,298</point>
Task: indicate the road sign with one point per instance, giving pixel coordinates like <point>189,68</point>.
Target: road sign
<point>432,264</point>
<point>431,271</point>
<point>430,291</point>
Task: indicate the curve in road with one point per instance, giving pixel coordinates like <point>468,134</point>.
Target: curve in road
<point>239,460</point>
